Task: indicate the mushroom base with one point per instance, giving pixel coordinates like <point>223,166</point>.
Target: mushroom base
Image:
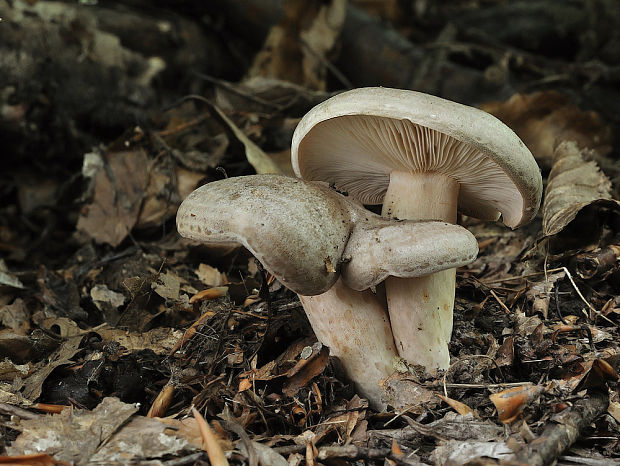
<point>356,328</point>
<point>421,308</point>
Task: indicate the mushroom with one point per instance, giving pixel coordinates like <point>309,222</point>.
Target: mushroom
<point>308,236</point>
<point>423,157</point>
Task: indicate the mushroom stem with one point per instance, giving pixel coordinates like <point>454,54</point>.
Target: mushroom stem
<point>421,308</point>
<point>356,328</point>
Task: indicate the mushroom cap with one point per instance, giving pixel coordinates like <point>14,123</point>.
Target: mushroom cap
<point>355,139</point>
<point>405,249</point>
<point>292,227</point>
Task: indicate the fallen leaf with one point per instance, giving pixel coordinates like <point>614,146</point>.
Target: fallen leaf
<point>210,276</point>
<point>403,392</point>
<point>456,452</point>
<point>167,285</point>
<point>459,407</point>
<point>539,293</point>
<point>119,181</point>
<point>159,340</point>
<point>310,370</point>
<point>261,162</point>
<point>574,184</point>
<point>73,435</point>
<point>209,293</point>
<point>296,49</point>
<point>614,410</point>
<point>15,316</point>
<point>511,402</point>
<point>62,356</point>
<point>543,119</point>
<point>7,278</point>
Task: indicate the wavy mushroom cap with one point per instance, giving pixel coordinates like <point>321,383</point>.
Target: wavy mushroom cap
<point>356,139</point>
<point>405,249</point>
<point>296,230</point>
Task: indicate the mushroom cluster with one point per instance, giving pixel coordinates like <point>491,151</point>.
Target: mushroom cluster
<point>330,250</point>
<point>422,157</point>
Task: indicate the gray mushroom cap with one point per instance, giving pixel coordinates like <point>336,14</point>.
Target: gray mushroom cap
<point>305,233</point>
<point>292,227</point>
<point>355,139</point>
<point>405,249</point>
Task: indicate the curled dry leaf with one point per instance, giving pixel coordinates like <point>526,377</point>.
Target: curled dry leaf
<point>542,119</point>
<point>209,293</point>
<point>510,403</point>
<point>539,293</point>
<point>574,184</point>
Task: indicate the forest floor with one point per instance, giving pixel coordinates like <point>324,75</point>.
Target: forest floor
<point>113,328</point>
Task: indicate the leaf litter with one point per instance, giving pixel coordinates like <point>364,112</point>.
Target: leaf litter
<point>114,325</point>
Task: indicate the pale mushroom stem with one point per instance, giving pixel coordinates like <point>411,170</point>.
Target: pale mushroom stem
<point>356,328</point>
<point>420,309</point>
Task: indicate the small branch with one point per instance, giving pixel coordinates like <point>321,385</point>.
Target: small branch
<point>564,431</point>
<point>352,452</point>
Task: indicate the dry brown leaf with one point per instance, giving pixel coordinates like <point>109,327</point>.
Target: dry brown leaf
<point>62,356</point>
<point>614,410</point>
<point>209,293</point>
<point>72,435</point>
<point>543,119</point>
<point>15,316</point>
<point>36,459</point>
<point>310,370</point>
<point>403,392</point>
<point>261,162</point>
<point>7,278</point>
<point>162,198</point>
<point>9,371</point>
<point>296,49</point>
<point>210,276</point>
<point>539,293</point>
<point>211,445</point>
<point>119,182</point>
<point>459,407</point>
<point>159,340</point>
<point>511,402</point>
<point>574,184</point>
<point>167,285</point>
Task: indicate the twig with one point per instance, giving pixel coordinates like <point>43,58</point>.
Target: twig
<point>352,452</point>
<point>570,277</point>
<point>500,301</point>
<point>235,90</point>
<point>520,277</point>
<point>479,385</point>
<point>329,65</point>
<point>189,459</point>
<point>564,431</point>
<point>12,410</point>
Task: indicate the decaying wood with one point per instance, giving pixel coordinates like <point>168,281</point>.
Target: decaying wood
<point>598,264</point>
<point>563,430</point>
